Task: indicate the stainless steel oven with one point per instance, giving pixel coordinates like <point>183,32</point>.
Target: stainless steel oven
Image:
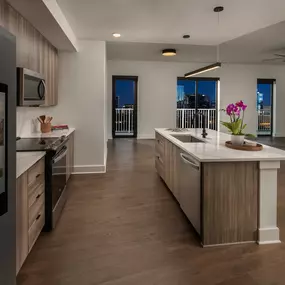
<point>31,88</point>
<point>59,194</point>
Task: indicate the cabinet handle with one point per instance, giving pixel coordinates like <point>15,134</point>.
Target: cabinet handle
<point>39,195</point>
<point>188,161</point>
<point>38,175</point>
<point>39,215</point>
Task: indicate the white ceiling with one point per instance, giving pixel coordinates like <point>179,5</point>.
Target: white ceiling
<point>165,21</point>
<point>152,52</point>
<point>250,48</point>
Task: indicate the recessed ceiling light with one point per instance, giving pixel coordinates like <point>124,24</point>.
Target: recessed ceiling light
<point>169,52</point>
<point>116,35</point>
<point>186,36</point>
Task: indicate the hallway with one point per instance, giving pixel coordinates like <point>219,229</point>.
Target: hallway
<point>124,228</point>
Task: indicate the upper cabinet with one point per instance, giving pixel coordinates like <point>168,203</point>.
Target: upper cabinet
<point>33,50</point>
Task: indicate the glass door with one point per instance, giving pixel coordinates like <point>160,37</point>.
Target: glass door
<point>124,121</point>
<point>196,96</point>
<point>264,98</point>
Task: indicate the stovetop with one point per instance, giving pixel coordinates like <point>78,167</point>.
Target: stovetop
<point>40,144</point>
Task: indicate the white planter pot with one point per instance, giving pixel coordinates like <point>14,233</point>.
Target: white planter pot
<point>237,140</point>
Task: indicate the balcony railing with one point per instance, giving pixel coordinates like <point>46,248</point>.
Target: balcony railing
<point>264,121</point>
<point>124,121</point>
<point>185,118</point>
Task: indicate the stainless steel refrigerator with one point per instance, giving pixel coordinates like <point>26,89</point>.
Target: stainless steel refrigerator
<point>7,158</point>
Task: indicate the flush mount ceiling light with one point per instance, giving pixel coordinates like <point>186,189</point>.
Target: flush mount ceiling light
<point>169,52</point>
<point>213,66</point>
<point>116,35</point>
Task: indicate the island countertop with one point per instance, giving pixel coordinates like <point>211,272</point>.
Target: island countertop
<point>213,149</point>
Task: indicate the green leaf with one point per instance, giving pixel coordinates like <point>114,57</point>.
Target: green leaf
<point>236,126</point>
<point>243,127</point>
<point>250,135</point>
<point>228,125</point>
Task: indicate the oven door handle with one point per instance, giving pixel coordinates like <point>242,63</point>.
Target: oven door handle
<point>60,155</point>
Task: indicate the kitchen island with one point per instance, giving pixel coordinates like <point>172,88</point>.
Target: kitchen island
<point>229,196</point>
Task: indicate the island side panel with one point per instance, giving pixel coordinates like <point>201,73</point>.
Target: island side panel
<point>229,202</point>
<point>268,230</point>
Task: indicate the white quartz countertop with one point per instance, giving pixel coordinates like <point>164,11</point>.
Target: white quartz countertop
<point>214,148</point>
<point>25,160</point>
<point>53,134</point>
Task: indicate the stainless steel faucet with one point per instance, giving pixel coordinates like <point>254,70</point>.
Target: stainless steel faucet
<point>204,133</point>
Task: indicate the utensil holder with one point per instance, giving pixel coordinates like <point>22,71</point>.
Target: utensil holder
<point>46,128</point>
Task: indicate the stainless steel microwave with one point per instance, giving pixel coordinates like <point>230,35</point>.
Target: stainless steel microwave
<point>31,88</point>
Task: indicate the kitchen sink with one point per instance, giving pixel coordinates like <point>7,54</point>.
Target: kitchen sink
<point>187,139</point>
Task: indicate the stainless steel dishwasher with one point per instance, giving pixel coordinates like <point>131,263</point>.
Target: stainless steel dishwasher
<point>190,189</point>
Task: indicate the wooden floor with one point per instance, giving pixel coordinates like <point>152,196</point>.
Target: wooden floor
<point>124,228</point>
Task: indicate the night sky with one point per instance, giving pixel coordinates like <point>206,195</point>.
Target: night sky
<point>124,89</point>
<point>204,87</point>
<point>265,89</point>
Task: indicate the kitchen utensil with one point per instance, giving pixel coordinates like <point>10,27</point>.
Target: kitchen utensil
<point>43,117</point>
<point>40,120</point>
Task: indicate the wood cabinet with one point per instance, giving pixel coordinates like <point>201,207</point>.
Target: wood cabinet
<point>30,210</point>
<point>22,227</point>
<point>221,205</point>
<point>167,162</point>
<point>70,156</point>
<point>33,50</point>
<point>160,155</point>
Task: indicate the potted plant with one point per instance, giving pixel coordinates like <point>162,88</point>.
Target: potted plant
<point>236,125</point>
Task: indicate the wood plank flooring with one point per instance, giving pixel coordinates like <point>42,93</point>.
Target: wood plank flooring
<point>124,228</point>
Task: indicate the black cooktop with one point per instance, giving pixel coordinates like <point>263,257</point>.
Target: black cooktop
<point>35,144</point>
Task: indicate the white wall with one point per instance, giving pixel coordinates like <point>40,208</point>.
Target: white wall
<point>157,91</point>
<point>81,104</point>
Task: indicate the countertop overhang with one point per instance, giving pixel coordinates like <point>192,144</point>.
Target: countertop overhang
<point>214,150</point>
<point>53,134</point>
<point>25,160</point>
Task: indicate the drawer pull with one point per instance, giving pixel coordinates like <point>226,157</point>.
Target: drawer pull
<point>38,175</point>
<point>39,215</point>
<point>39,195</point>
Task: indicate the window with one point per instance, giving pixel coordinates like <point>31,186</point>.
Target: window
<point>196,96</point>
<point>264,98</point>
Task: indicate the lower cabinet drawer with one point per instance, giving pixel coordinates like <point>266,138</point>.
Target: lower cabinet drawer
<point>36,209</point>
<point>159,168</point>
<point>159,145</point>
<point>36,227</point>
<point>36,194</point>
<point>36,171</point>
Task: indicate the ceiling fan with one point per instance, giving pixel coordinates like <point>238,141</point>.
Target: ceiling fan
<point>279,57</point>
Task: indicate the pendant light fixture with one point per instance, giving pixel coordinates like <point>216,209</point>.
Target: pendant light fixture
<point>213,66</point>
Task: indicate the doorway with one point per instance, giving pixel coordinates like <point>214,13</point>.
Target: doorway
<point>264,98</point>
<point>124,106</point>
<point>197,95</point>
